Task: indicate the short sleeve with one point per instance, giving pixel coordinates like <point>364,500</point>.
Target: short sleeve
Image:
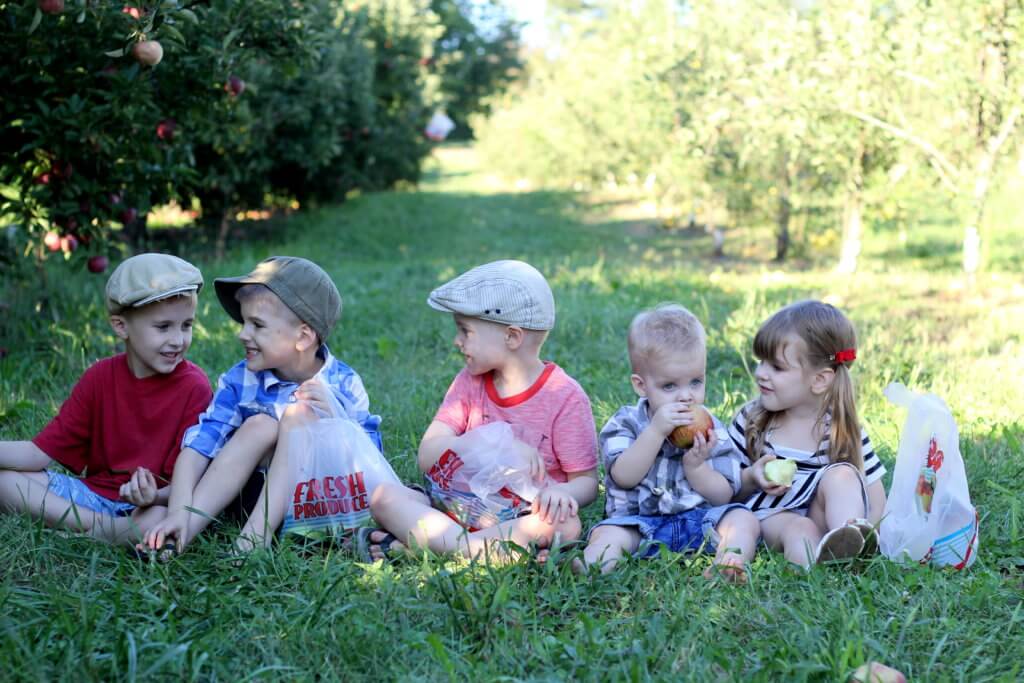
<point>738,437</point>
<point>618,434</point>
<point>726,459</point>
<point>67,437</point>
<point>573,438</point>
<point>873,467</point>
<point>455,408</point>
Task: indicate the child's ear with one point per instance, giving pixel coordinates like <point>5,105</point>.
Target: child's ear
<point>638,385</point>
<point>822,380</point>
<point>307,338</point>
<point>120,326</point>
<point>514,337</point>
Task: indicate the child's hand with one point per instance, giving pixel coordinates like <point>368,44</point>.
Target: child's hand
<point>537,468</point>
<point>766,485</point>
<point>317,395</point>
<point>555,505</point>
<point>672,415</point>
<point>701,450</point>
<point>141,489</point>
<point>173,526</point>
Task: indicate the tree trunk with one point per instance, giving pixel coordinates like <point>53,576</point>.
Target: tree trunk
<point>853,226</point>
<point>135,233</point>
<point>782,227</point>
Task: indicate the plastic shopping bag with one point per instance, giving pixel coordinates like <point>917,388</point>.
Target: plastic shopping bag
<point>928,515</point>
<point>335,467</point>
<point>482,480</point>
<point>439,127</point>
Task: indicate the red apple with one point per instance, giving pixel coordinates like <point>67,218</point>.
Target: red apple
<point>129,215</point>
<point>165,129</point>
<point>51,6</point>
<point>235,86</point>
<point>61,169</point>
<point>148,52</point>
<point>43,179</point>
<point>52,241</point>
<point>68,243</point>
<point>97,264</point>
<point>133,12</point>
<point>682,436</point>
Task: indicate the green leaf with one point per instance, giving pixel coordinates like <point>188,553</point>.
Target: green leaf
<point>189,15</point>
<point>115,53</point>
<point>35,21</point>
<point>172,32</point>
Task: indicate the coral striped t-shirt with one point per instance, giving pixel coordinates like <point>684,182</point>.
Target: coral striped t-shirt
<point>553,415</point>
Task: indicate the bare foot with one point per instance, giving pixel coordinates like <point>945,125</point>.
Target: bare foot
<point>729,568</point>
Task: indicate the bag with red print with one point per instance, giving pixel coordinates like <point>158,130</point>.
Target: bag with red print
<point>335,467</point>
<point>928,515</point>
<point>483,480</point>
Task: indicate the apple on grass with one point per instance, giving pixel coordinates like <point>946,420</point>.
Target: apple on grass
<point>683,435</point>
<point>780,471</point>
<point>876,672</point>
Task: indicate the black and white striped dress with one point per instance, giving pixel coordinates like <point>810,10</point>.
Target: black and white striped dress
<point>810,467</point>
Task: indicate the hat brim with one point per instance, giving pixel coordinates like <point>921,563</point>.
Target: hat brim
<point>185,289</point>
<point>226,288</point>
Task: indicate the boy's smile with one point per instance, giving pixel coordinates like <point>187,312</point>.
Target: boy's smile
<point>158,335</point>
<point>481,343</point>
<point>269,335</point>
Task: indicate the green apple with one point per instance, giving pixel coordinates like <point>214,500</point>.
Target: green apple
<point>780,471</point>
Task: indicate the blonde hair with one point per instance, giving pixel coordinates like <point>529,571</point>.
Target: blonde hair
<point>663,329</point>
<point>825,331</point>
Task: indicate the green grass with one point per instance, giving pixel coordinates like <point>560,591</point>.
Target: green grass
<point>71,609</point>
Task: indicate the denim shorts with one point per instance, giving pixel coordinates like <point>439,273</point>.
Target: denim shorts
<point>685,532</point>
<point>75,490</point>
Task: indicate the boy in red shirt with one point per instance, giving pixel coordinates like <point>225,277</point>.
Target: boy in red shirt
<point>122,426</point>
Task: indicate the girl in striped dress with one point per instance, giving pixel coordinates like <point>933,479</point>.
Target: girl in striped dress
<point>806,413</point>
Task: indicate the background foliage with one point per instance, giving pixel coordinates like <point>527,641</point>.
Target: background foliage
<point>827,115</point>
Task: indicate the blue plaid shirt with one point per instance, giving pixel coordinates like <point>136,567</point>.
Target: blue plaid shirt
<point>242,393</point>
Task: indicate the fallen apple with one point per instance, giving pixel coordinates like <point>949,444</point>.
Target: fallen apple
<point>875,672</point>
<point>51,6</point>
<point>98,264</point>
<point>148,52</point>
<point>683,436</point>
<point>780,471</point>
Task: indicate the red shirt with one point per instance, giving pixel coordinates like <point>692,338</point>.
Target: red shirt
<point>114,422</point>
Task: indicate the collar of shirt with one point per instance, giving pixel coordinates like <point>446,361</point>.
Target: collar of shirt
<point>267,378</point>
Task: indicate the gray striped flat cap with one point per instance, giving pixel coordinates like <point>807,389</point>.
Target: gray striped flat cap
<point>506,292</point>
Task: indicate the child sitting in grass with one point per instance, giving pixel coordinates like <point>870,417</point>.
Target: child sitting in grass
<point>807,413</point>
<point>657,493</point>
<point>123,423</point>
<point>503,312</point>
<point>287,306</point>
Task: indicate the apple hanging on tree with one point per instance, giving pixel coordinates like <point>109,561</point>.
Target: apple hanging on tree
<point>235,86</point>
<point>68,243</point>
<point>51,6</point>
<point>148,52</point>
<point>97,264</point>
<point>165,129</point>
<point>52,240</point>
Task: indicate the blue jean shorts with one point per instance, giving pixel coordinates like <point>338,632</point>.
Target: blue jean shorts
<point>75,490</point>
<point>685,532</point>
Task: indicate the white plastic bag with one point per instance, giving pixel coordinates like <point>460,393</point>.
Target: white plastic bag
<point>928,515</point>
<point>439,127</point>
<point>482,480</point>
<point>335,467</point>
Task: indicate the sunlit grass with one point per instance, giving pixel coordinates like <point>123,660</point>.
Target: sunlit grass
<point>72,609</point>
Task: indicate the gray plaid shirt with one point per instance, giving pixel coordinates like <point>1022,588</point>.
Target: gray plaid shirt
<point>664,489</point>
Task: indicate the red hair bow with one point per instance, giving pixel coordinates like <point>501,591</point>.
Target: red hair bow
<point>844,356</point>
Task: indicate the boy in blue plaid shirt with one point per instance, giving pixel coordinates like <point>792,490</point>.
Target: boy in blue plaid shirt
<point>287,307</point>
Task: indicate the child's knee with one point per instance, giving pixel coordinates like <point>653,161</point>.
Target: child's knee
<point>384,498</point>
<point>845,476</point>
<point>295,415</point>
<point>260,426</point>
